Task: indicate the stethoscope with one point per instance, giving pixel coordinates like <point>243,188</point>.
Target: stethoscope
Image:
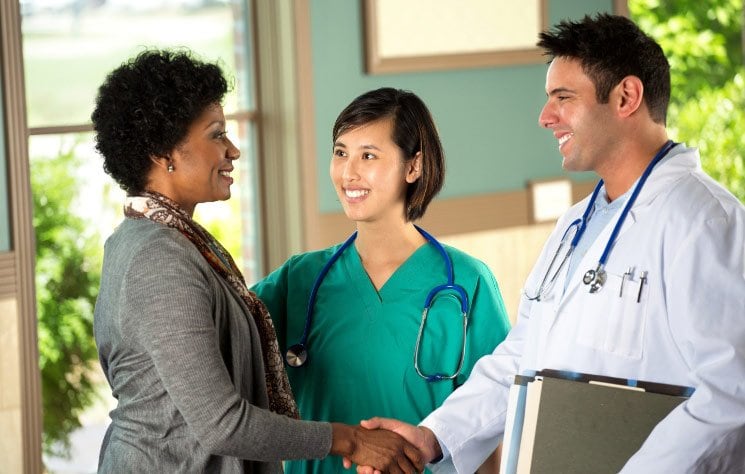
<point>594,278</point>
<point>297,354</point>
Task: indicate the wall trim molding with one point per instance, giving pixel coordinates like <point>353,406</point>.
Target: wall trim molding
<point>11,55</point>
<point>447,217</point>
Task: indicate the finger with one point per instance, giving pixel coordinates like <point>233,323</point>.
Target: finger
<point>415,456</point>
<point>347,463</point>
<point>366,470</point>
<point>405,465</point>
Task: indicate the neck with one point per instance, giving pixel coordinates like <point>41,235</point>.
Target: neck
<point>628,161</point>
<point>387,242</point>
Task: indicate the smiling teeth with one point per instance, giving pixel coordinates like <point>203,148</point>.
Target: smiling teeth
<point>565,138</point>
<point>356,193</point>
<point>225,173</point>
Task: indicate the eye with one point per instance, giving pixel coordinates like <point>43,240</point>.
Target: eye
<point>340,153</point>
<point>368,156</point>
<point>221,134</point>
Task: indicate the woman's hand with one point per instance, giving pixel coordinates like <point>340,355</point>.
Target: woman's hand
<point>381,449</point>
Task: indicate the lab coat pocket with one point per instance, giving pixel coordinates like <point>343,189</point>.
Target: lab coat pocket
<point>613,320</point>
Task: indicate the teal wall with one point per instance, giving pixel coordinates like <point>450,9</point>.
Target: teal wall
<point>487,117</point>
<point>4,194</point>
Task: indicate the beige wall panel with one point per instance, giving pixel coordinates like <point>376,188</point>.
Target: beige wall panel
<point>10,376</point>
<point>509,253</point>
<point>10,390</point>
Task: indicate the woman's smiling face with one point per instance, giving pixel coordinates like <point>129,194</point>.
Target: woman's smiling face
<point>369,173</point>
<point>202,163</point>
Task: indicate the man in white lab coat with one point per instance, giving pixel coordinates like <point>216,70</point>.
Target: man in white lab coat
<point>661,242</point>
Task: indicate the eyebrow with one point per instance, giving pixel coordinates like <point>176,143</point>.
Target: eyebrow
<point>221,123</point>
<point>364,147</point>
<point>560,90</point>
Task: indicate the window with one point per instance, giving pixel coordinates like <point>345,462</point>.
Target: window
<point>70,45</point>
<point>68,48</point>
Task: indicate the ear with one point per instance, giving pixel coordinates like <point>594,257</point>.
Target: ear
<point>414,168</point>
<point>161,161</point>
<point>628,95</point>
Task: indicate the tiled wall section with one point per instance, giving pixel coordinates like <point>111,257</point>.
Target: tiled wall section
<point>509,253</point>
<point>10,389</point>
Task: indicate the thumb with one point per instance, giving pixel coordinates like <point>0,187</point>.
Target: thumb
<point>377,422</point>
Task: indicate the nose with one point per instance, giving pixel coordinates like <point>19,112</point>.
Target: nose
<point>547,117</point>
<point>233,153</point>
<point>349,171</point>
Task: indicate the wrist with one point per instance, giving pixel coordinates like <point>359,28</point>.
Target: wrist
<point>342,439</point>
<point>432,449</point>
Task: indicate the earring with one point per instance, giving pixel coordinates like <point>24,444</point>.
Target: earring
<point>170,168</point>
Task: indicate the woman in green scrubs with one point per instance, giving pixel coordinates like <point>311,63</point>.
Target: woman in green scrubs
<point>386,167</point>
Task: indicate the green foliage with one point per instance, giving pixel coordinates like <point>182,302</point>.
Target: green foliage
<point>702,40</point>
<point>718,117</point>
<point>704,44</point>
<point>67,278</point>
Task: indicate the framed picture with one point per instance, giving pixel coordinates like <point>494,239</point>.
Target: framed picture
<point>430,35</point>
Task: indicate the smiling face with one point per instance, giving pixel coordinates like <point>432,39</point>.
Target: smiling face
<point>369,173</point>
<point>583,127</point>
<point>202,163</point>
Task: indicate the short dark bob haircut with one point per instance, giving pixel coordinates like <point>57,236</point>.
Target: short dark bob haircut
<point>611,47</point>
<point>145,107</point>
<point>413,131</point>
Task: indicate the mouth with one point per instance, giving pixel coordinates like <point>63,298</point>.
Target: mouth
<point>356,193</point>
<point>564,138</point>
<point>226,174</point>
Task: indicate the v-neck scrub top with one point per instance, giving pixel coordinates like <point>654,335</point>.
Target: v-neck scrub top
<point>361,342</point>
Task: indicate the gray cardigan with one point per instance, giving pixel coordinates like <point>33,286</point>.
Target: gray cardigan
<point>183,358</point>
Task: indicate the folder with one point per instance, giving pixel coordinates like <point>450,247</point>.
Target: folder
<point>580,423</point>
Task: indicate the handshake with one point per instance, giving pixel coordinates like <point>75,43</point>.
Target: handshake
<point>382,445</point>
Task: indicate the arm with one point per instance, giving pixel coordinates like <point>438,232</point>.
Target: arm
<point>170,306</point>
<point>273,292</point>
<point>705,298</point>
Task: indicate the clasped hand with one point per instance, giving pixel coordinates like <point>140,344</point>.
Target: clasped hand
<point>419,447</point>
<point>380,449</point>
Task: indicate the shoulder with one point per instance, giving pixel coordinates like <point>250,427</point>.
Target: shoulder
<point>696,195</point>
<point>314,258</point>
<point>467,267</point>
<point>143,246</point>
<point>302,266</point>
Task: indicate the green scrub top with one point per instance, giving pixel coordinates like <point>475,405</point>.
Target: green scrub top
<point>361,342</point>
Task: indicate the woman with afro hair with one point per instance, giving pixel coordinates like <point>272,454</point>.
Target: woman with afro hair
<point>189,352</point>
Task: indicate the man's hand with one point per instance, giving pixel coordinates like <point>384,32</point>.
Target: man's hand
<point>419,436</point>
<point>383,450</point>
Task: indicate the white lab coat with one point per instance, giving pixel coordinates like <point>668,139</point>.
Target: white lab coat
<point>688,328</point>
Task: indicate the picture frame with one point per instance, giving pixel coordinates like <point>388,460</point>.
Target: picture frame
<point>454,34</point>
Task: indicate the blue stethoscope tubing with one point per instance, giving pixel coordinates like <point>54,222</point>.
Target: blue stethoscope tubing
<point>297,354</point>
<point>596,278</point>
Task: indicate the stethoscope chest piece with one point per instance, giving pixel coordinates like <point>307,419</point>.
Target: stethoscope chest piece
<point>595,278</point>
<point>296,355</point>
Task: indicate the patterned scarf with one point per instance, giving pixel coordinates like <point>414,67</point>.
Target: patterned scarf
<point>159,208</point>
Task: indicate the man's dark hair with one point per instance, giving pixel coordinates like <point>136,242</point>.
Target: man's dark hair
<point>609,48</point>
